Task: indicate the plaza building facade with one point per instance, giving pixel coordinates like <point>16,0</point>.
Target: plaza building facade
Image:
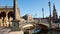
<point>7,15</point>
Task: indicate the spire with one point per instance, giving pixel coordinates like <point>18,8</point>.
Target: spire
<point>55,16</point>
<point>6,6</point>
<point>54,7</point>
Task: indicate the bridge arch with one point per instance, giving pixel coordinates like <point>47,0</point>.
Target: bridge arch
<point>42,26</point>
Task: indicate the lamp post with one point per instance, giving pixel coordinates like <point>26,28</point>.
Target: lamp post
<point>50,32</point>
<point>50,14</point>
<point>43,12</point>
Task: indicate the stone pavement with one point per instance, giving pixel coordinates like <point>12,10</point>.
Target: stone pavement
<point>8,31</point>
<point>4,30</point>
<point>16,32</point>
<point>1,28</point>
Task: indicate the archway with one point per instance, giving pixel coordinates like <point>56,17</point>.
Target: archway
<point>3,15</point>
<point>42,26</point>
<point>10,14</point>
<point>10,17</point>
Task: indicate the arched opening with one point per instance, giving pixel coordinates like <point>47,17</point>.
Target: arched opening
<point>3,14</point>
<point>43,27</point>
<point>10,17</point>
<point>10,14</point>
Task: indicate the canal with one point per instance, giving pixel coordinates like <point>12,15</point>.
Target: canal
<point>48,32</point>
<point>39,30</point>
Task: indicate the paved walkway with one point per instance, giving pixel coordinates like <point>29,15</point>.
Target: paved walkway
<point>4,30</point>
<point>16,32</point>
<point>7,31</point>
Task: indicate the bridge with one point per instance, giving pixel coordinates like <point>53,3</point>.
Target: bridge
<point>46,24</point>
<point>43,25</point>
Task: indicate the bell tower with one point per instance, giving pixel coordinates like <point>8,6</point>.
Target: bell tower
<point>55,16</point>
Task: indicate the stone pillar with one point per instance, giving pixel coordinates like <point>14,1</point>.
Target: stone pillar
<point>15,9</point>
<point>1,23</point>
<point>15,25</point>
<point>10,23</point>
<point>7,23</point>
<point>15,22</point>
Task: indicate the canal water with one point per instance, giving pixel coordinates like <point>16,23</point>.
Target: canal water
<point>42,31</point>
<point>48,32</point>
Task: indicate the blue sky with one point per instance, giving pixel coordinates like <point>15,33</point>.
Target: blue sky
<point>33,7</point>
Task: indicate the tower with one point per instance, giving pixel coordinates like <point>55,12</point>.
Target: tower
<point>55,16</point>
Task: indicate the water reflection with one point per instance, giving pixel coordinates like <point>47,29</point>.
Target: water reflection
<point>42,32</point>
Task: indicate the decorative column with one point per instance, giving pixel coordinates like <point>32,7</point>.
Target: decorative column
<point>6,18</point>
<point>15,22</point>
<point>1,24</point>
<point>2,21</point>
<point>7,23</point>
<point>15,10</point>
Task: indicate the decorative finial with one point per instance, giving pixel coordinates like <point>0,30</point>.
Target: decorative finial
<point>53,5</point>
